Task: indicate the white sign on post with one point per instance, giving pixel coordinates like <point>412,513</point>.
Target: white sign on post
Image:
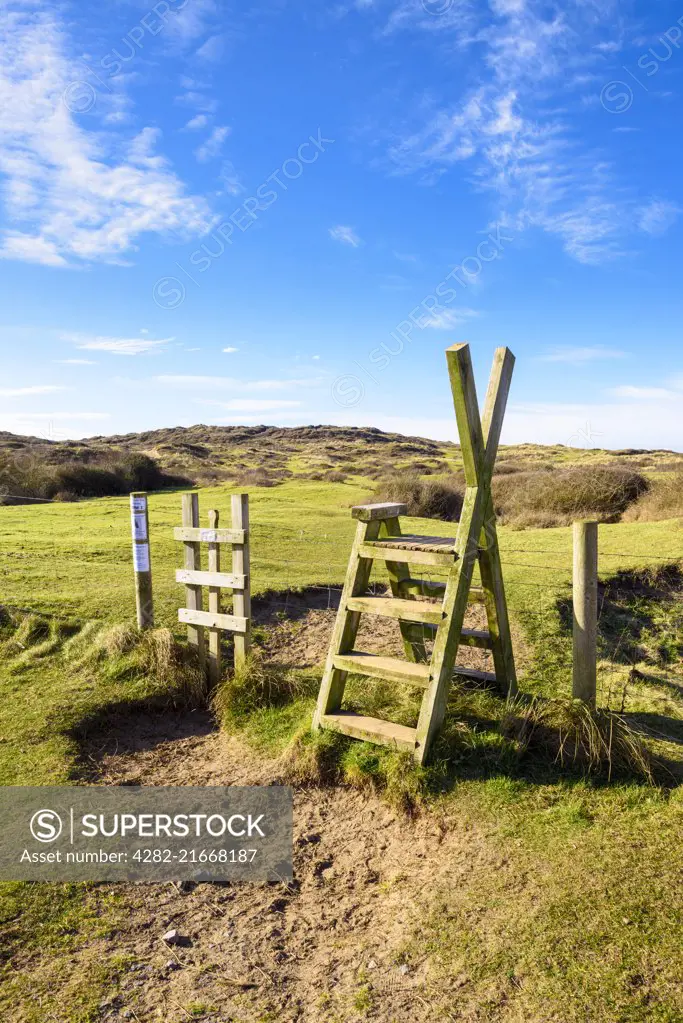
<point>141,557</point>
<point>138,504</point>
<point>139,525</point>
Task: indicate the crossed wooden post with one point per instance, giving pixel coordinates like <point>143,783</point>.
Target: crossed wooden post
<point>379,536</point>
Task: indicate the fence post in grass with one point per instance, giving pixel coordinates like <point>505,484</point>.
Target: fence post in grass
<point>139,521</point>
<point>241,599</point>
<point>585,619</point>
<point>193,594</point>
<point>214,606</point>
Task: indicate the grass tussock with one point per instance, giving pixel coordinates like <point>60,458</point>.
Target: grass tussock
<point>257,685</point>
<point>555,498</point>
<point>574,735</point>
<point>425,498</point>
<point>120,652</point>
<point>664,500</point>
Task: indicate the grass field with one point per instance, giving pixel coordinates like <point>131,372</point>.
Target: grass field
<point>582,916</point>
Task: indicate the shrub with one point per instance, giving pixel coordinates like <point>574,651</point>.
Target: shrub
<point>664,500</point>
<point>427,499</point>
<point>556,498</point>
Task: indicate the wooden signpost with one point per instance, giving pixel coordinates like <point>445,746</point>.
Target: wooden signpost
<point>142,568</point>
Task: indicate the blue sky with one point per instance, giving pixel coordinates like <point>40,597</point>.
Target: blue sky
<point>284,213</point>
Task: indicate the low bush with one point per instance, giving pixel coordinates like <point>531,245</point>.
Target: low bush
<point>555,498</point>
<point>427,499</point>
<point>26,478</point>
<point>664,500</point>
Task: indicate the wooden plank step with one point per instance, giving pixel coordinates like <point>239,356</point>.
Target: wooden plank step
<point>476,637</point>
<point>191,577</point>
<point>212,620</point>
<point>390,668</point>
<point>475,674</point>
<point>392,607</point>
<point>195,534</point>
<point>430,588</point>
<point>385,550</point>
<point>372,729</point>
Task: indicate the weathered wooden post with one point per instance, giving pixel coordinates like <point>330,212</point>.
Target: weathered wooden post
<point>585,599</point>
<point>241,600</point>
<point>139,521</point>
<point>214,606</point>
<point>192,558</point>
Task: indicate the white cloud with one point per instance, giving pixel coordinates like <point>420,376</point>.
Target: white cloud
<point>657,216</point>
<point>20,392</point>
<point>230,179</point>
<point>196,122</point>
<point>256,404</point>
<point>212,147</point>
<point>74,196</point>
<point>117,345</point>
<point>511,125</point>
<point>233,384</point>
<point>212,49</point>
<point>578,355</point>
<point>446,319</point>
<point>198,100</point>
<point>229,350</point>
<point>645,393</point>
<point>76,362</point>
<point>346,235</point>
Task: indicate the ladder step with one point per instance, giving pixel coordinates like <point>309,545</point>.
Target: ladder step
<point>476,637</point>
<point>372,729</point>
<point>392,607</point>
<point>392,549</point>
<point>428,588</point>
<point>390,668</point>
<point>475,674</point>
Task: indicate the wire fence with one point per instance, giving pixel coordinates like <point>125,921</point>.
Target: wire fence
<point>76,561</point>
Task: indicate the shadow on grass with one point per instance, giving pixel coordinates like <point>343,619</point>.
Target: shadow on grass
<point>129,727</point>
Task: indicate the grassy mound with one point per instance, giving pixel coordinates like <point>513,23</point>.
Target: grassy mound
<point>664,500</point>
<point>425,498</point>
<point>557,497</point>
<point>26,477</point>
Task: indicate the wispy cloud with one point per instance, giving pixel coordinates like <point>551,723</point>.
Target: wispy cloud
<point>233,384</point>
<point>346,235</point>
<point>510,127</point>
<point>212,49</point>
<point>117,345</point>
<point>446,319</point>
<point>255,404</point>
<point>578,355</point>
<point>76,362</point>
<point>658,216</point>
<point>21,392</point>
<point>229,350</point>
<point>197,122</point>
<point>643,393</point>
<point>213,144</point>
<point>74,196</point>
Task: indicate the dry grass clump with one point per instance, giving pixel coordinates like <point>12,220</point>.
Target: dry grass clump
<point>598,742</point>
<point>556,498</point>
<point>256,684</point>
<point>664,500</point>
<point>121,652</point>
<point>426,499</point>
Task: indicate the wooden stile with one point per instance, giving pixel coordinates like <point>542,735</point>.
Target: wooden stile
<point>379,537</point>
